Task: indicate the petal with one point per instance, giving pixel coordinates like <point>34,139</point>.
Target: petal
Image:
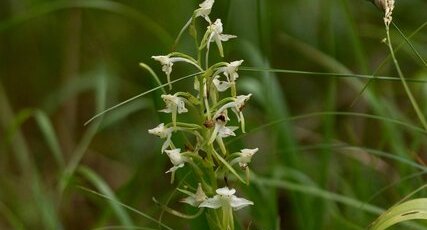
<point>221,86</point>
<point>226,37</point>
<point>190,200</point>
<point>175,157</point>
<point>225,191</point>
<point>227,131</point>
<point>238,203</point>
<point>174,168</point>
<point>214,202</point>
<point>158,131</point>
<point>181,106</point>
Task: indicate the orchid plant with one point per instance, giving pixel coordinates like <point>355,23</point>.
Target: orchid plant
<point>215,94</point>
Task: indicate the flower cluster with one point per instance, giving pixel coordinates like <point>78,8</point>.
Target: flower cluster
<point>215,95</point>
<point>387,6</point>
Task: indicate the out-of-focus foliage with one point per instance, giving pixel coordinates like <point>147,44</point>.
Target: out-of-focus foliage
<point>336,149</point>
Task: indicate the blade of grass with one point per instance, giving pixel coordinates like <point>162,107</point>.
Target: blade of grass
<point>138,96</point>
<point>329,74</point>
<point>331,113</point>
<point>78,153</point>
<point>275,106</point>
<point>409,210</point>
<point>379,105</point>
<point>410,43</point>
<point>102,186</point>
<point>40,196</point>
<point>405,85</point>
<point>389,56</point>
<point>125,206</point>
<point>49,134</point>
<point>314,191</point>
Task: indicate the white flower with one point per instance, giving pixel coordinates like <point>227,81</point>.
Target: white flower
<point>225,198</point>
<point>236,106</point>
<point>245,157</point>
<point>221,86</point>
<point>163,133</point>
<point>176,158</point>
<point>215,35</point>
<point>205,10</point>
<point>173,104</point>
<point>221,131</point>
<point>230,72</point>
<point>388,11</point>
<point>197,198</point>
<point>167,62</point>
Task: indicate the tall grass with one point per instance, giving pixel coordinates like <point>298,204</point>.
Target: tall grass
<point>339,139</point>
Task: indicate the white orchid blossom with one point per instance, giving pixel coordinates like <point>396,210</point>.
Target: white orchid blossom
<point>195,199</point>
<point>174,105</point>
<point>221,86</point>
<point>167,62</point>
<point>225,198</point>
<point>236,106</point>
<point>163,133</point>
<point>221,131</point>
<point>230,72</point>
<point>214,34</point>
<point>176,158</point>
<point>244,158</point>
<point>204,10</point>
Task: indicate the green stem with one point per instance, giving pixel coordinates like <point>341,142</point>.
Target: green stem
<point>405,85</point>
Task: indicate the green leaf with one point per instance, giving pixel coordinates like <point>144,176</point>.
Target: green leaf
<point>409,210</point>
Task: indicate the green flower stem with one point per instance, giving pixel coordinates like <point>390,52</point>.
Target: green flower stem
<point>233,89</point>
<point>227,218</point>
<point>221,146</point>
<point>405,85</point>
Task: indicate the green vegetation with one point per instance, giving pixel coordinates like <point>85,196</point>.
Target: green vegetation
<point>338,113</point>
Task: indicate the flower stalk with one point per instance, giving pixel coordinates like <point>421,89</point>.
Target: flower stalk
<point>215,95</point>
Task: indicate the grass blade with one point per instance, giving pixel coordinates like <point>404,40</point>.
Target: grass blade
<point>49,134</point>
<point>127,207</point>
<point>409,210</point>
<point>97,181</point>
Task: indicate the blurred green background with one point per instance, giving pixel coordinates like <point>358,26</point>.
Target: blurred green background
<point>335,149</point>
